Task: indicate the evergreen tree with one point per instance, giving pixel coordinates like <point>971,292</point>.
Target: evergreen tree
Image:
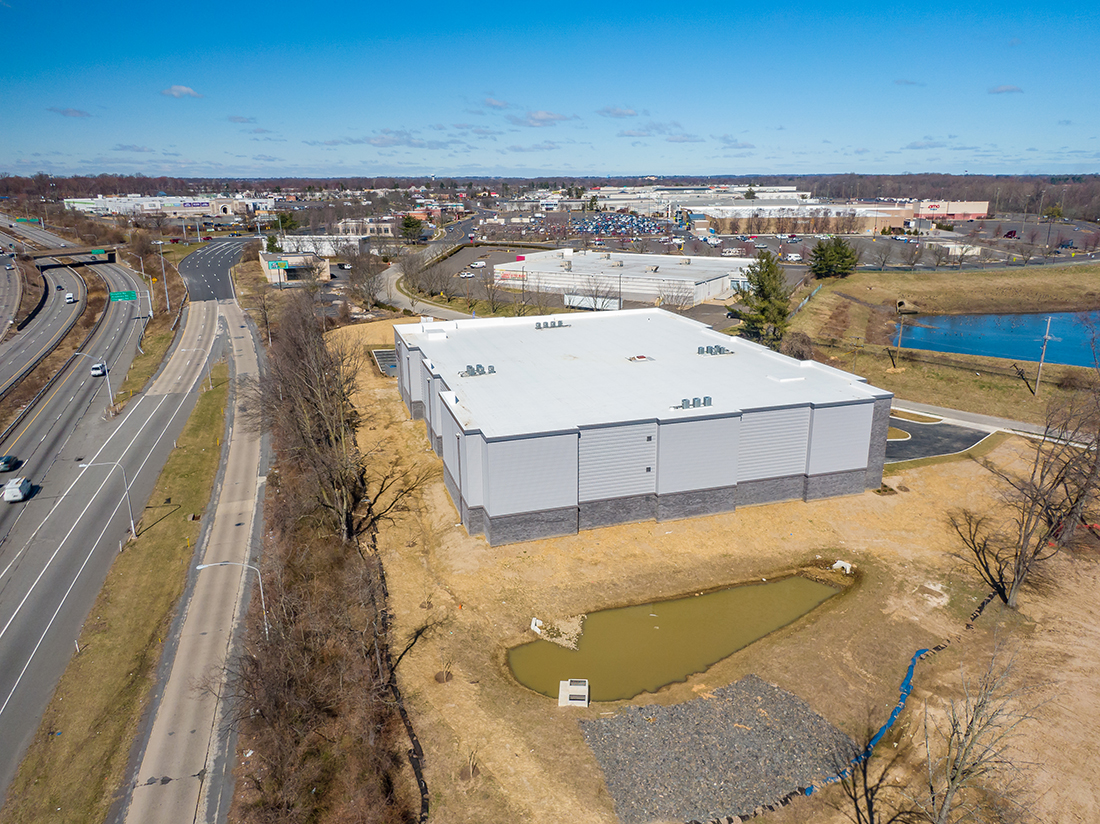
<point>766,300</point>
<point>833,258</point>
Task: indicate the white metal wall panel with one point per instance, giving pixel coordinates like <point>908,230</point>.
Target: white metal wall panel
<point>839,436</point>
<point>473,480</point>
<point>426,390</point>
<point>697,454</point>
<point>402,367</point>
<point>617,461</point>
<point>416,379</point>
<point>531,474</point>
<point>452,436</point>
<point>773,443</point>
<point>435,388</point>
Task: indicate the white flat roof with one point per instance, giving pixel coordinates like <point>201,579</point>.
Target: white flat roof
<point>588,371</point>
<point>600,262</point>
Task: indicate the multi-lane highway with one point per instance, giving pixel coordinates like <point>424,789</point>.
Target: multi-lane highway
<point>56,548</point>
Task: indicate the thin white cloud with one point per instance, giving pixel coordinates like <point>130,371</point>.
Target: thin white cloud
<point>1006,90</point>
<point>545,146</point>
<point>904,82</point>
<point>68,112</point>
<point>493,103</point>
<point>538,119</point>
<point>180,91</point>
<point>684,138</point>
<point>634,133</point>
<point>731,142</point>
<point>236,118</point>
<point>130,147</point>
<point>615,111</point>
<point>925,144</point>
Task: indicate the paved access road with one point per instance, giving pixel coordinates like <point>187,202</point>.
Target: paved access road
<point>206,269</point>
<point>183,770</point>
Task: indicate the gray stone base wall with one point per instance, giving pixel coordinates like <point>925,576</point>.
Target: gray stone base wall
<point>876,453</point>
<point>618,511</point>
<point>452,488</point>
<point>835,483</point>
<point>437,444</point>
<point>473,517</point>
<point>510,529</point>
<point>770,490</point>
<point>417,410</point>
<point>697,502</point>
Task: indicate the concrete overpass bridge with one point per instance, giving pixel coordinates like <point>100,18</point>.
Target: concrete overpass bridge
<point>91,254</point>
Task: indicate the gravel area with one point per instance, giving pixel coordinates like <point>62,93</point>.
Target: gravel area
<point>724,754</point>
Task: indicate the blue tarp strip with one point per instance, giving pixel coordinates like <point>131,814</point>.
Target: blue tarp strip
<point>906,688</point>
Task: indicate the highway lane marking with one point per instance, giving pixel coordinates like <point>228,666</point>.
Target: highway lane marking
<point>183,399</point>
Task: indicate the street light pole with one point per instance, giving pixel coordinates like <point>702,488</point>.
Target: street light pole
<point>263,604</point>
<point>125,483</point>
<point>164,277</point>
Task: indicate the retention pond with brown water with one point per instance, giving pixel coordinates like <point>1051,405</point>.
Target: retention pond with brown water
<point>626,651</point>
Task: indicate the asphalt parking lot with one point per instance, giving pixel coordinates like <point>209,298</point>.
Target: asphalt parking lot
<point>928,440</point>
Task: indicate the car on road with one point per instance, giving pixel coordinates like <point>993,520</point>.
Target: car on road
<point>9,267</point>
<point>17,489</point>
<point>760,245</point>
<point>794,257</point>
<point>61,287</point>
<point>70,297</point>
<point>345,265</point>
<point>99,370</point>
<point>477,264</point>
<point>465,274</point>
<point>8,463</point>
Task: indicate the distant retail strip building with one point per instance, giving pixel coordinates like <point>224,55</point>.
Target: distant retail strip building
<point>581,276</point>
<point>550,425</point>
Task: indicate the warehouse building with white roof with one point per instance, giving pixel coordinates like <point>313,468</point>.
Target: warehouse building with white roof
<point>553,424</point>
<point>682,280</point>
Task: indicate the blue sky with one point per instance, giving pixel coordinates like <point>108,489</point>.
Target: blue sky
<point>559,88</point>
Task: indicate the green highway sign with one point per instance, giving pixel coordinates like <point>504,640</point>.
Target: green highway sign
<point>98,251</point>
<point>117,296</point>
<point>276,264</point>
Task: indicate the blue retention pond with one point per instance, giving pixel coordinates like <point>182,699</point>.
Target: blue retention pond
<point>1016,337</point>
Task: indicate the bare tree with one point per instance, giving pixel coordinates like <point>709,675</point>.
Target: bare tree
<point>305,400</point>
<point>882,253</point>
<point>365,277</point>
<point>411,264</point>
<point>911,254</point>
<point>941,254</point>
<point>1044,506</point>
<point>677,295</point>
<point>966,753</point>
<point>985,255</point>
<point>494,295</point>
<point>1024,251</point>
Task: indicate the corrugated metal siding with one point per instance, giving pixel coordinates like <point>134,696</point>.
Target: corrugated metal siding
<point>437,386</point>
<point>697,454</point>
<point>402,367</point>
<point>839,436</point>
<point>452,447</point>
<point>531,474</point>
<point>473,481</point>
<point>773,443</point>
<point>416,384</point>
<point>614,460</point>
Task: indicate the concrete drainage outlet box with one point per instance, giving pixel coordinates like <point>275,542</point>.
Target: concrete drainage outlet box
<point>573,693</point>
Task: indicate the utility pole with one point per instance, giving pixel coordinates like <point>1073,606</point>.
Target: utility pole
<point>1042,357</point>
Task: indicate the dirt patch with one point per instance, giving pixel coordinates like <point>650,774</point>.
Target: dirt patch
<point>844,660</point>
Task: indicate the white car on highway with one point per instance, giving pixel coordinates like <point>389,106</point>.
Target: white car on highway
<point>477,264</point>
<point>17,489</point>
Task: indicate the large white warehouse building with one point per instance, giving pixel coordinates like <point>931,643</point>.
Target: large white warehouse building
<point>549,425</point>
<point>681,280</point>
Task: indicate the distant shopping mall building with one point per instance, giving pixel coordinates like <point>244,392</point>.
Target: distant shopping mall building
<point>553,424</point>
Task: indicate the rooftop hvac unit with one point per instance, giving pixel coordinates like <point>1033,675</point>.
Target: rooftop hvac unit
<point>706,398</point>
<point>493,371</point>
<point>652,268</point>
<point>695,403</point>
<point>617,263</point>
<point>605,256</point>
<point>567,265</point>
<point>538,325</point>
<point>703,349</point>
<point>685,403</point>
<point>685,261</point>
